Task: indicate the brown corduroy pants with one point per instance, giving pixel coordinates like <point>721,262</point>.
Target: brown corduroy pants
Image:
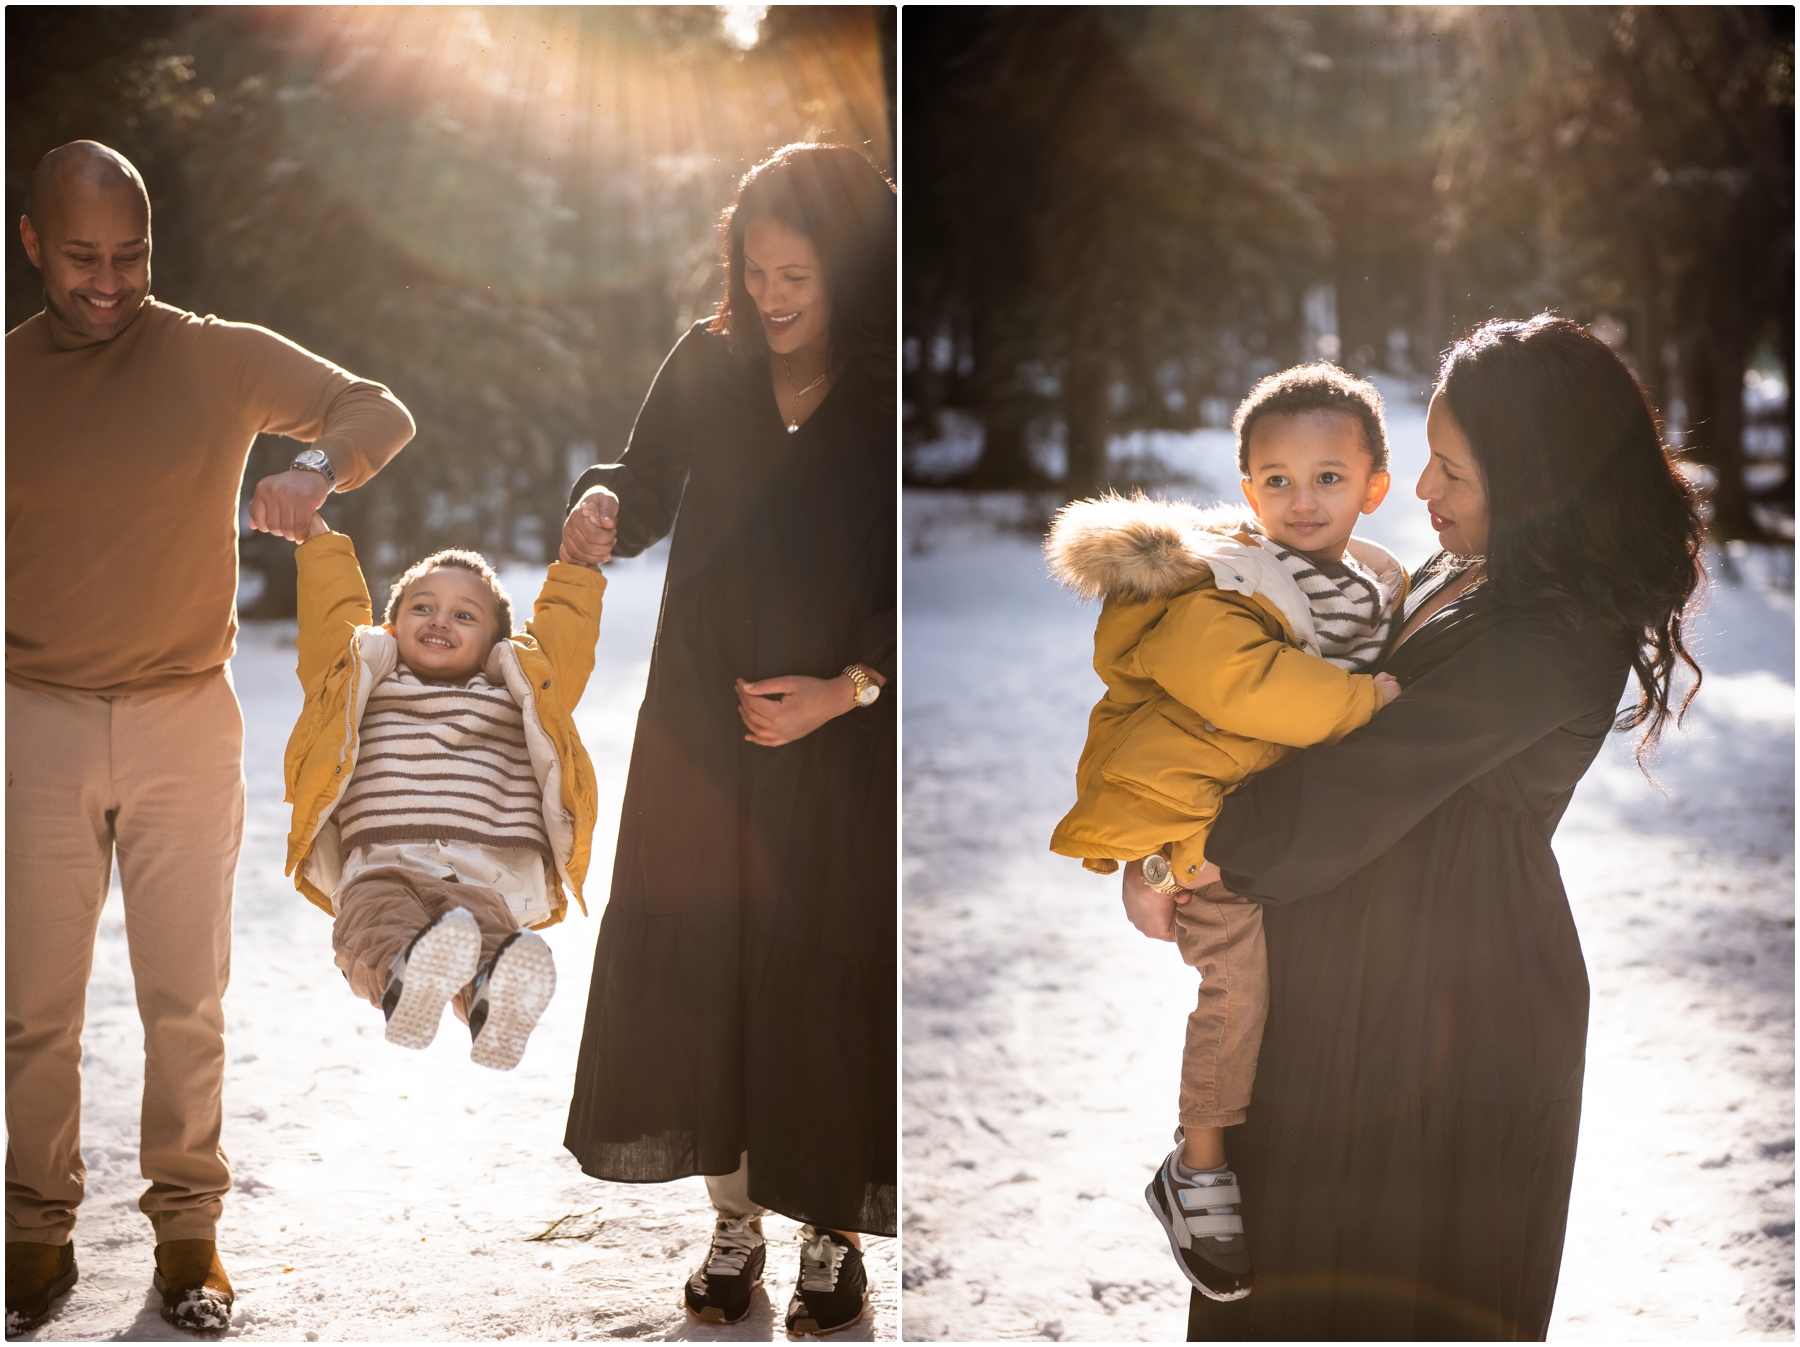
<point>158,780</point>
<point>380,911</point>
<point>1223,942</point>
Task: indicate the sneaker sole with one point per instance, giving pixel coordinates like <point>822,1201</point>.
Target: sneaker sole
<point>524,980</point>
<point>60,1287</point>
<point>1162,1219</point>
<point>440,965</point>
<point>799,1326</point>
<point>712,1314</point>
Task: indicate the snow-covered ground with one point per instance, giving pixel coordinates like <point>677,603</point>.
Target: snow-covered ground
<point>381,1194</point>
<point>1043,1035</point>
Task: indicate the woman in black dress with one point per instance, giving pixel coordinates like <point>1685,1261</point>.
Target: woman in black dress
<point>1408,1153</point>
<point>741,1019</point>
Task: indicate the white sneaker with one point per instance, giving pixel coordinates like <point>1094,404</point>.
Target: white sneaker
<point>511,992</point>
<point>436,964</point>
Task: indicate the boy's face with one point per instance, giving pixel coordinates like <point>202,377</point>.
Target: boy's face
<point>445,625</point>
<point>1311,475</point>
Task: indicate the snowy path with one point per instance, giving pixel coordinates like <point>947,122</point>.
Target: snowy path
<point>387,1195</point>
<point>1043,1035</point>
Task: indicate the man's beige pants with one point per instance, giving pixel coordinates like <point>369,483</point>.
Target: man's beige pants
<point>157,779</point>
<point>1224,943</point>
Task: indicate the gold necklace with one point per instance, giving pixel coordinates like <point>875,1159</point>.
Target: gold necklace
<point>797,393</point>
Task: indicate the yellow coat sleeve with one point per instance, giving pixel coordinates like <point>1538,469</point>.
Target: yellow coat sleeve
<point>1214,654</point>
<point>334,602</point>
<point>565,622</point>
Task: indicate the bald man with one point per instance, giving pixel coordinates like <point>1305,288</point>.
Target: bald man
<point>129,424</point>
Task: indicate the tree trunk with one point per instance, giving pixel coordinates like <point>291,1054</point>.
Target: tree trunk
<point>1714,367</point>
<point>1084,395</point>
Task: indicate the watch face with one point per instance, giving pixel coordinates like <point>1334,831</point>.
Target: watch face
<point>868,695</point>
<point>1156,868</point>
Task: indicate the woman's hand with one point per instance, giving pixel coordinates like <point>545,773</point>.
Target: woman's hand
<point>778,711</point>
<point>1151,912</point>
<point>591,529</point>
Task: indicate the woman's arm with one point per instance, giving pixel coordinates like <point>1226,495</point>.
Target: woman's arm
<point>1308,824</point>
<point>651,475</point>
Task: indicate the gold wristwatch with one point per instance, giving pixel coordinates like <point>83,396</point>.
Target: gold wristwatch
<point>1158,875</point>
<point>867,689</point>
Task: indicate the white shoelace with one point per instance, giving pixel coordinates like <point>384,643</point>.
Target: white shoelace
<point>820,1256</point>
<point>733,1242</point>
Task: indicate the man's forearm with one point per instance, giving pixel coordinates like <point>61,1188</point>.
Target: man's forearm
<point>365,427</point>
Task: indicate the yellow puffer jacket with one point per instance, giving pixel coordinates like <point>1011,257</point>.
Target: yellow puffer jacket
<point>343,657</point>
<point>1207,648</point>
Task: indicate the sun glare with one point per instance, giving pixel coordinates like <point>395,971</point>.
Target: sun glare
<point>499,143</point>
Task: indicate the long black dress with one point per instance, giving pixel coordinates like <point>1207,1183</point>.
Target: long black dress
<point>1410,1142</point>
<point>743,991</point>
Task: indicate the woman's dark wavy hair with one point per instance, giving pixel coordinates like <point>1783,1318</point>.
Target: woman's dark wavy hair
<point>845,206</point>
<point>1587,514</point>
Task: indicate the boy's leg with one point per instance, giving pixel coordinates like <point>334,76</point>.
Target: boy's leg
<point>1224,943</point>
<point>378,913</point>
<point>178,768</point>
<point>58,861</point>
<point>491,913</point>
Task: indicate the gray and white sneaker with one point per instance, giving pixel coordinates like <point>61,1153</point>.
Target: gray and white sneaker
<point>436,964</point>
<point>512,991</point>
<point>1200,1215</point>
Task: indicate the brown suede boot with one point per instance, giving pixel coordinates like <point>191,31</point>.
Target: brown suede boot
<point>36,1274</point>
<point>196,1293</point>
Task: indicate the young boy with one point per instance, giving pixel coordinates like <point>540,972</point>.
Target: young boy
<point>1226,642</point>
<point>442,798</point>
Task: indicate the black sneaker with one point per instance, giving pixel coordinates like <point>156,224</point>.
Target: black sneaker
<point>1206,1233</point>
<point>833,1289</point>
<point>436,964</point>
<point>511,992</point>
<point>719,1292</point>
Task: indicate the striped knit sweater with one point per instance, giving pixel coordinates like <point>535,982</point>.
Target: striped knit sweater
<point>440,762</point>
<point>1351,612</point>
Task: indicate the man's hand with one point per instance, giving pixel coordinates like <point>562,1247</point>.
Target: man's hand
<point>1151,912</point>
<point>804,704</point>
<point>287,502</point>
<point>591,529</point>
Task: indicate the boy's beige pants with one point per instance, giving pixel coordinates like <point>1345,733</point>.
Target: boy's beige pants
<point>158,780</point>
<point>380,911</point>
<point>1224,943</point>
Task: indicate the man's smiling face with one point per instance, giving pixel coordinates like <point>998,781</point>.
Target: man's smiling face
<point>92,245</point>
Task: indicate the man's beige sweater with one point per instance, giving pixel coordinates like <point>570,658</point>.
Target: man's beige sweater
<point>124,459</point>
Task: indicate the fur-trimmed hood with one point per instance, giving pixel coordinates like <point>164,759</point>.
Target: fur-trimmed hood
<point>1136,548</point>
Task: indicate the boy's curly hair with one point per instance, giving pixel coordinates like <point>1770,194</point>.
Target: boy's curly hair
<point>468,561</point>
<point>1313,388</point>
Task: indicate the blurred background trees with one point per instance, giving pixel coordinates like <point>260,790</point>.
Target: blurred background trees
<point>506,214</point>
<point>1120,218</point>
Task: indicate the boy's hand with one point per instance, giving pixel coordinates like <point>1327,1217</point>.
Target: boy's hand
<point>318,525</point>
<point>1388,686</point>
<point>286,503</point>
<point>591,529</point>
<point>1151,912</point>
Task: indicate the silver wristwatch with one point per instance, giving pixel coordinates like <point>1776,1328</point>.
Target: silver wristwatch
<point>1158,875</point>
<point>316,460</point>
